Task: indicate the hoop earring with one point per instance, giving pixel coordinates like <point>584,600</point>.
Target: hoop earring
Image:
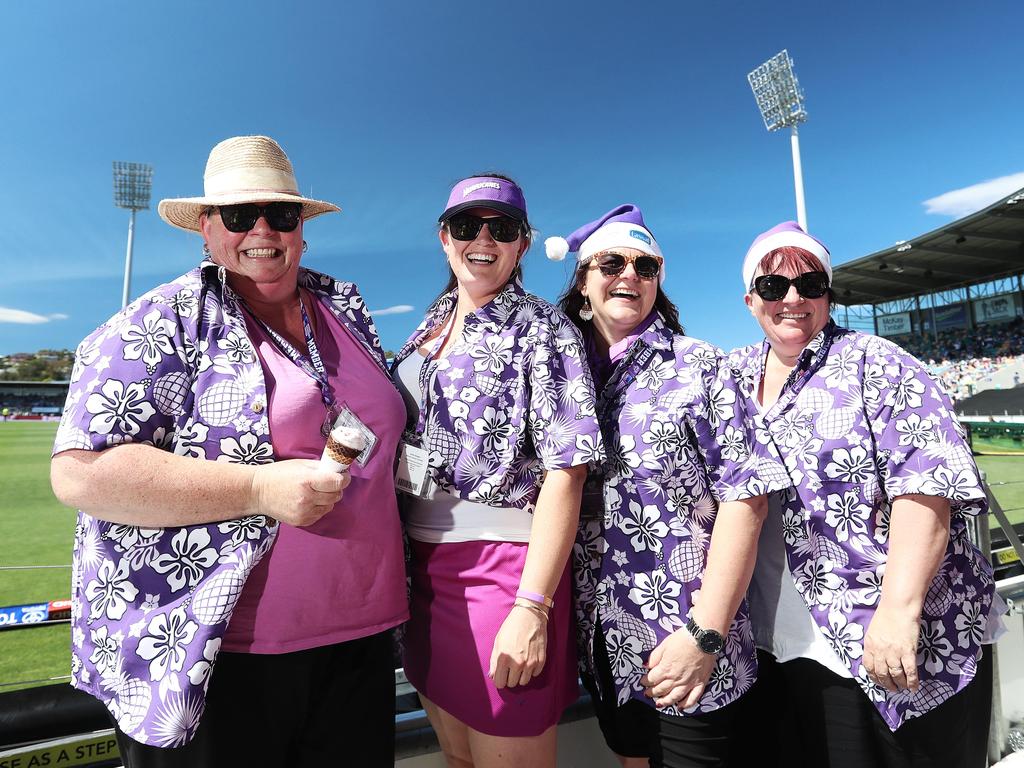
<point>305,246</point>
<point>586,312</point>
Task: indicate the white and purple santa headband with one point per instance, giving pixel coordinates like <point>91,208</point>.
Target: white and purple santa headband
<point>787,234</point>
<point>621,227</point>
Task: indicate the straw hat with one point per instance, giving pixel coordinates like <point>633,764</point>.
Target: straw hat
<point>242,169</point>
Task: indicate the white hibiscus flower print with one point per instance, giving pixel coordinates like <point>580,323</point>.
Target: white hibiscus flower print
<point>845,637</point>
<point>905,393</point>
<point>492,354</point>
<point>165,645</point>
<point>189,559</point>
<point>199,673</point>
<point>816,580</point>
<point>952,485</point>
<point>664,438</point>
<point>733,443</point>
<point>111,591</point>
<point>970,624</point>
<point>915,431</point>
<point>932,646</point>
<point>105,649</point>
<point>644,526</point>
<point>852,466</point>
<point>847,514</point>
<point>656,594</point>
<point>244,529</point>
<point>623,653</point>
<point>494,428</point>
<point>246,450</point>
<point>149,341</point>
<point>237,348</point>
<point>720,403</point>
<point>120,407</point>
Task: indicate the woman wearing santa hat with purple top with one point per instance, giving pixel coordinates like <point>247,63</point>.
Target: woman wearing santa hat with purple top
<point>886,671</point>
<point>501,430</point>
<point>669,525</point>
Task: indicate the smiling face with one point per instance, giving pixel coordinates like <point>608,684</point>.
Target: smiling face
<point>790,323</point>
<point>620,302</point>
<point>262,264</point>
<point>482,266</point>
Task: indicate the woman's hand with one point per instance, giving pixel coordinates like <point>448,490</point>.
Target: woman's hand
<point>677,671</point>
<point>890,648</point>
<point>520,648</point>
<point>296,491</point>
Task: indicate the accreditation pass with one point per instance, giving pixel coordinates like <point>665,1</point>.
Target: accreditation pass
<point>412,476</point>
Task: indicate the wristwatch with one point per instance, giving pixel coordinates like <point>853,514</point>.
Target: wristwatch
<point>708,640</point>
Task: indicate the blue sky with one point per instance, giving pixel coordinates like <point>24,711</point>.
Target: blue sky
<point>382,105</point>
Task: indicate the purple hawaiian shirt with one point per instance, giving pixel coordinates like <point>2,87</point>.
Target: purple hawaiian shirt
<point>175,369</point>
<point>860,422</point>
<point>679,443</point>
<point>512,399</point>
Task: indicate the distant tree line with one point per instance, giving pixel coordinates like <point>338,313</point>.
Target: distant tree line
<point>44,365</point>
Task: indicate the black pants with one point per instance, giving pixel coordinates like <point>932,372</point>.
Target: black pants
<point>333,705</point>
<point>803,715</point>
<point>636,729</point>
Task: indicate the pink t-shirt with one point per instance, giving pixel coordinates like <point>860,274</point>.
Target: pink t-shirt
<point>343,577</point>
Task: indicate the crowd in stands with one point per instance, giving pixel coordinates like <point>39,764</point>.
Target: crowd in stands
<point>17,405</point>
<point>963,359</point>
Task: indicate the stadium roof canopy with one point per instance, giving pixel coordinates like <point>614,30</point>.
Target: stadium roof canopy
<point>984,246</point>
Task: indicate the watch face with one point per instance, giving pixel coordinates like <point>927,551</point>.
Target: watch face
<point>711,641</point>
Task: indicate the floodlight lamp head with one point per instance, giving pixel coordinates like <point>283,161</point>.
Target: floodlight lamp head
<point>778,93</point>
<point>133,183</point>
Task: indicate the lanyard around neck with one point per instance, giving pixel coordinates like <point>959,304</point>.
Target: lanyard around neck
<point>312,365</point>
<point>428,371</point>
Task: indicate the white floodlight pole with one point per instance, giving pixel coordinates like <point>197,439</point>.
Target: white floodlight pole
<point>132,185</point>
<point>781,103</point>
<point>126,292</point>
<point>798,180</point>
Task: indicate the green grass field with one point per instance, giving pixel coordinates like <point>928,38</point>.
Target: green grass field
<point>35,529</point>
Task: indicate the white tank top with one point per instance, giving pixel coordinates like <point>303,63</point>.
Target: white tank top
<point>441,518</point>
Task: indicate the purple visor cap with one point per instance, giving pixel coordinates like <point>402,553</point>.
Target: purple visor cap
<point>500,195</point>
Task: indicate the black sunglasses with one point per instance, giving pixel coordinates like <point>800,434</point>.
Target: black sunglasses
<point>280,216</point>
<point>504,229</point>
<point>612,264</point>
<point>810,285</point>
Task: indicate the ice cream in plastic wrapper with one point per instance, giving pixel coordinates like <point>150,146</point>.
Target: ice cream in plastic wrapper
<point>344,444</point>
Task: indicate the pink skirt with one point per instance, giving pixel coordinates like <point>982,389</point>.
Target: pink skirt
<point>461,594</point>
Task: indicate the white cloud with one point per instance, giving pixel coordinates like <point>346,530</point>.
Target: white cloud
<point>961,202</point>
<point>398,309</point>
<point>20,316</point>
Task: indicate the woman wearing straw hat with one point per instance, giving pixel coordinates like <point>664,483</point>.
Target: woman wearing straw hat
<point>674,514</point>
<point>216,564</point>
<point>871,604</point>
<point>500,433</point>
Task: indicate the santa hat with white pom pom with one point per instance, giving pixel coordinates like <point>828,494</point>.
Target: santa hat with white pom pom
<point>621,227</point>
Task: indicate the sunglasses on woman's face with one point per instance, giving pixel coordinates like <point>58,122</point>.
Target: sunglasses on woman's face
<point>613,264</point>
<point>504,229</point>
<point>810,285</point>
<point>280,216</point>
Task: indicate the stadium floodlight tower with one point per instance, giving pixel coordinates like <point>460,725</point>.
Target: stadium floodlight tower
<point>133,183</point>
<point>782,104</point>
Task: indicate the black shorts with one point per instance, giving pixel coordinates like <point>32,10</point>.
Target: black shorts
<point>333,705</point>
<point>636,729</point>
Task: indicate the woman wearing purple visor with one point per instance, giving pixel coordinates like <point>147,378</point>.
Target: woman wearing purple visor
<point>501,430</point>
<point>889,671</point>
<point>672,515</point>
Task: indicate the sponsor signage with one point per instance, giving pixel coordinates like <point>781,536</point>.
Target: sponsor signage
<point>994,308</point>
<point>35,613</point>
<point>952,316</point>
<point>894,325</point>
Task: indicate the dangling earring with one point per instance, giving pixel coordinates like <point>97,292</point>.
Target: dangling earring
<point>586,313</point>
<point>305,246</point>
<point>206,250</point>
